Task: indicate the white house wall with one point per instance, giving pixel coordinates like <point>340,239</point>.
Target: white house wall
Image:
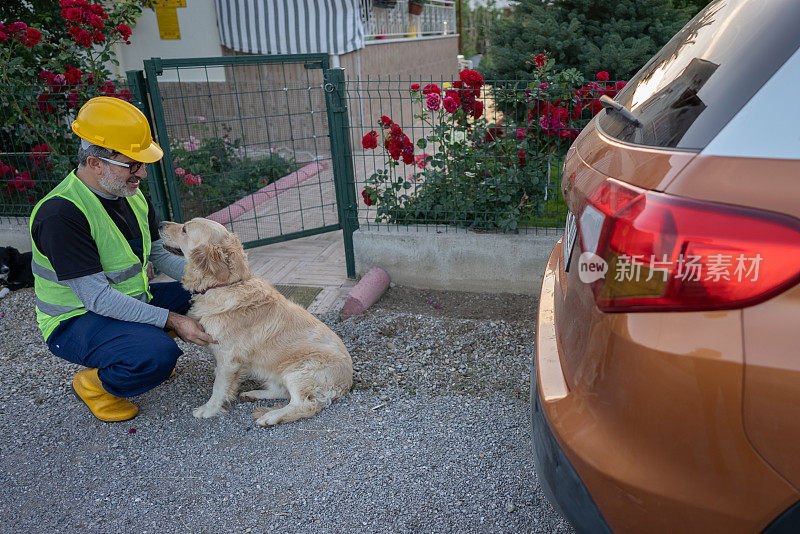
<point>199,38</point>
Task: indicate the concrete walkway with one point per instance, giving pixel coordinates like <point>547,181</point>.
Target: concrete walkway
<point>316,261</point>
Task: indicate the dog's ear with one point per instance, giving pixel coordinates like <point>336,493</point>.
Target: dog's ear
<point>236,258</point>
<point>210,260</point>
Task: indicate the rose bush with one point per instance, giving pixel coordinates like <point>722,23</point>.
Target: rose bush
<point>44,80</point>
<point>213,172</point>
<point>474,172</point>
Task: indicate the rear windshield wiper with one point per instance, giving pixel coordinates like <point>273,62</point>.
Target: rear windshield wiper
<point>608,103</point>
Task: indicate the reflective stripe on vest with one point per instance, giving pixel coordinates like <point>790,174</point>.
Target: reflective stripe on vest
<point>124,271</point>
<point>113,277</point>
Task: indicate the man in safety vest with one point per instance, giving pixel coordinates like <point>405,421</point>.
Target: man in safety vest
<point>93,236</point>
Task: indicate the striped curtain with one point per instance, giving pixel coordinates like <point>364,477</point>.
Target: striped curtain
<point>290,26</point>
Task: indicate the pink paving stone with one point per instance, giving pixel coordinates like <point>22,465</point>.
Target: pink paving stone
<point>366,292</point>
<point>243,205</point>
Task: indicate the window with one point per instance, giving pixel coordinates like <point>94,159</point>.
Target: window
<point>694,85</point>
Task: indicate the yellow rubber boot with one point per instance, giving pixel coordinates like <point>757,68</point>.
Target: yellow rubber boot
<point>104,405</point>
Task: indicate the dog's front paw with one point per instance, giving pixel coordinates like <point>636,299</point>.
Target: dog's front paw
<point>207,410</point>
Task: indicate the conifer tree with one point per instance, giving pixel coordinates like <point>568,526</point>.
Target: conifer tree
<point>617,36</point>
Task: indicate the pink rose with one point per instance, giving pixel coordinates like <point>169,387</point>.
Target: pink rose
<point>179,172</point>
<point>433,101</point>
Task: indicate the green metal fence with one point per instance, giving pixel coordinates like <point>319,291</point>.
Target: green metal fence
<point>489,159</point>
<point>281,147</point>
<point>256,143</point>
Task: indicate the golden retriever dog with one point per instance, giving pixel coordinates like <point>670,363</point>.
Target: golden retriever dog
<point>260,334</point>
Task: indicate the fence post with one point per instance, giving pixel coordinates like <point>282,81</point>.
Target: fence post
<point>152,68</point>
<point>155,176</point>
<point>341,156</point>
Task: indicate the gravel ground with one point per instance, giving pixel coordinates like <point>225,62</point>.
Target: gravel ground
<point>435,436</point>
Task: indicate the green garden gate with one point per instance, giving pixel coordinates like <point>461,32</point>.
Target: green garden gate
<point>257,143</point>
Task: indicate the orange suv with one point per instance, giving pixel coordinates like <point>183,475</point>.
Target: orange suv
<point>666,395</point>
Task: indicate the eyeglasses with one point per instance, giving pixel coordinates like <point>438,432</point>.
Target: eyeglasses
<point>132,167</point>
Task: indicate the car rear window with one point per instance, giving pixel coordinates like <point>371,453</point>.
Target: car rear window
<point>694,85</point>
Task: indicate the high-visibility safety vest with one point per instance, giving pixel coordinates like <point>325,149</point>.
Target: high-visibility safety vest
<point>55,301</point>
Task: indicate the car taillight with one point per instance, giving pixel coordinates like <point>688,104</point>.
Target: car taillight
<point>667,253</point>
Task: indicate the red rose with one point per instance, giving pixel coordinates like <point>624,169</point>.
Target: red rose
<point>31,37</point>
<point>521,157</point>
<point>73,75</point>
<point>96,21</point>
<point>619,85</point>
<point>84,39</point>
<point>414,87</point>
<point>472,78</point>
<point>602,76</point>
<point>71,14</point>
<point>478,111</point>
<point>3,37</point>
<point>596,107</point>
<point>367,197</point>
<point>540,60</point>
<point>559,113</point>
<point>97,9</point>
<point>125,95</point>
<point>431,88</point>
<point>396,131</point>
<point>72,99</point>
<point>98,37</point>
<point>408,159</point>
<point>458,85</point>
<point>451,105</point>
<point>17,28</point>
<point>124,31</point>
<point>370,140</point>
<point>386,122</point>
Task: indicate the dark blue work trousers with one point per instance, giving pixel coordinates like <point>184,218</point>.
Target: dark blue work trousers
<point>131,358</point>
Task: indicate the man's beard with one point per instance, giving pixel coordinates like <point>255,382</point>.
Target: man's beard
<point>114,185</point>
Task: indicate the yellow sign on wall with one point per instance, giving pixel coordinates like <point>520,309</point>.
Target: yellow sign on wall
<point>168,27</point>
<point>170,3</point>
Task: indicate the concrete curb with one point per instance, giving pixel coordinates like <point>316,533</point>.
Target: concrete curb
<point>250,202</point>
<point>457,260</point>
<point>366,292</point>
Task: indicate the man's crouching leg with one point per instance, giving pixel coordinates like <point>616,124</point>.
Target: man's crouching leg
<point>104,405</point>
<point>125,359</point>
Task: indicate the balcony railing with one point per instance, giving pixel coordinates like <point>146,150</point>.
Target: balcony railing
<point>387,19</point>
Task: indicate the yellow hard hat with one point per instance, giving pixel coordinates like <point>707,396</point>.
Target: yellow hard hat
<point>113,123</point>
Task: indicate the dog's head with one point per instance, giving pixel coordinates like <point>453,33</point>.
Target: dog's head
<point>8,257</point>
<point>214,256</point>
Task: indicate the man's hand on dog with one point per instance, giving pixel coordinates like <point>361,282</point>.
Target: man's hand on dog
<point>188,329</point>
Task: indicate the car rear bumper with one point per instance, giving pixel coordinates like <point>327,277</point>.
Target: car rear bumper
<point>635,445</point>
<point>560,483</point>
